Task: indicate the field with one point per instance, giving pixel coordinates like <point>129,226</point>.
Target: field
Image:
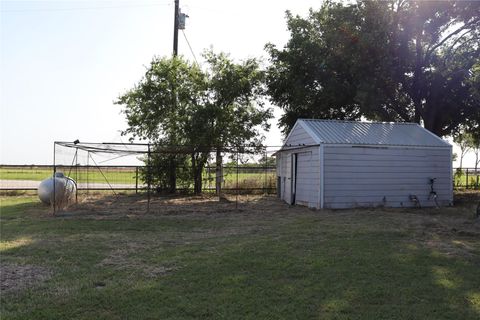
<point>124,175</point>
<point>467,177</point>
<point>197,258</point>
<point>128,176</point>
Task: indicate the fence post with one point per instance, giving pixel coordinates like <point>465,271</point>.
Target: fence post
<point>136,180</point>
<point>54,172</point>
<point>149,175</point>
<point>466,180</point>
<point>265,172</point>
<point>236,198</point>
<point>476,178</point>
<point>76,175</point>
<point>88,165</point>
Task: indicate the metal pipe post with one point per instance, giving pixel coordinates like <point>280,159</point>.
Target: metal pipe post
<point>76,175</point>
<point>148,178</point>
<point>88,162</point>
<point>466,180</point>
<point>54,184</point>
<point>236,200</point>
<point>265,172</point>
<point>136,180</point>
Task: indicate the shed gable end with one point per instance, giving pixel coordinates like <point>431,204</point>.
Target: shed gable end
<point>299,136</point>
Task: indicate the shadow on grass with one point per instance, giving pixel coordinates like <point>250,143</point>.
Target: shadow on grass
<point>20,207</point>
<point>263,260</point>
<point>326,278</point>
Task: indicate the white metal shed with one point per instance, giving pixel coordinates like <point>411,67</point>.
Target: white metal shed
<point>346,164</point>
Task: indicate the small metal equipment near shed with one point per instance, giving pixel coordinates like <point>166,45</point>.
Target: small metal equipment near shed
<point>347,164</point>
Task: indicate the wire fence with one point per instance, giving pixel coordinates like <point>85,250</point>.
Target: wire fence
<point>249,178</point>
<point>466,178</point>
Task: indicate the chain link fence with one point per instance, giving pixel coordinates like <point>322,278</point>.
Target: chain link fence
<point>466,178</point>
<point>249,178</point>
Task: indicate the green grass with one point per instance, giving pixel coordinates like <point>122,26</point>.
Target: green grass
<point>93,175</point>
<point>266,261</point>
<point>35,174</point>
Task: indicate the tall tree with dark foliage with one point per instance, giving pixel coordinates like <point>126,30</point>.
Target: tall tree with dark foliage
<point>383,60</point>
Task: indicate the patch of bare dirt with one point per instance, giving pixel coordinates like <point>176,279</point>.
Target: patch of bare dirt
<point>466,196</point>
<point>451,237</point>
<point>451,231</point>
<point>134,206</point>
<point>15,277</point>
<point>124,259</point>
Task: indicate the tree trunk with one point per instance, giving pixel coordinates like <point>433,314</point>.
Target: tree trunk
<point>218,173</point>
<point>173,175</point>
<point>194,172</point>
<point>462,155</point>
<point>197,168</point>
<point>433,126</point>
<point>416,90</point>
<point>198,182</point>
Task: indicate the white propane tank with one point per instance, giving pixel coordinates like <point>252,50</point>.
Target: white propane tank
<point>65,189</point>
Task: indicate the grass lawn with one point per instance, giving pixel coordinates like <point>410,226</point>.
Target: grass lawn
<point>197,258</point>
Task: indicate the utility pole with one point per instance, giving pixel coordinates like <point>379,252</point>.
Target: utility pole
<point>175,28</point>
<point>172,160</point>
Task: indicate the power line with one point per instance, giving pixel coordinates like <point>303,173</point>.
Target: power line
<point>87,8</point>
<point>190,47</point>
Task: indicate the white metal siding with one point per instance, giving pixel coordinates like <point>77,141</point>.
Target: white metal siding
<point>296,138</point>
<point>283,162</point>
<point>307,188</point>
<point>308,176</point>
<point>369,176</point>
<point>279,162</point>
<point>299,137</point>
<point>287,178</point>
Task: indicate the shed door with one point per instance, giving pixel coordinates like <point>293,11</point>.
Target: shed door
<point>293,179</point>
<point>303,177</point>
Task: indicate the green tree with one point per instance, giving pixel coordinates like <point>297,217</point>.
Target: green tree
<point>473,141</point>
<point>268,161</point>
<point>158,109</point>
<point>463,140</point>
<point>184,109</point>
<point>384,60</point>
<point>234,107</point>
<point>158,169</point>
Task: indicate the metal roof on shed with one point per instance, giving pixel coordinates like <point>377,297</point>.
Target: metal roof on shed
<point>371,133</point>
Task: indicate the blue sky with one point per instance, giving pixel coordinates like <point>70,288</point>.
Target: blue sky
<point>63,63</point>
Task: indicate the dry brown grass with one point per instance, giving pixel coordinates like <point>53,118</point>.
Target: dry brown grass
<point>16,277</point>
<point>449,229</point>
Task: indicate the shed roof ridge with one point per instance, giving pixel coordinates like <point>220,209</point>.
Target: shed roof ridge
<point>359,121</point>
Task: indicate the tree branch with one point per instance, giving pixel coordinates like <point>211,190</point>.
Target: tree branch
<point>469,40</point>
<point>458,39</point>
<point>464,27</point>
